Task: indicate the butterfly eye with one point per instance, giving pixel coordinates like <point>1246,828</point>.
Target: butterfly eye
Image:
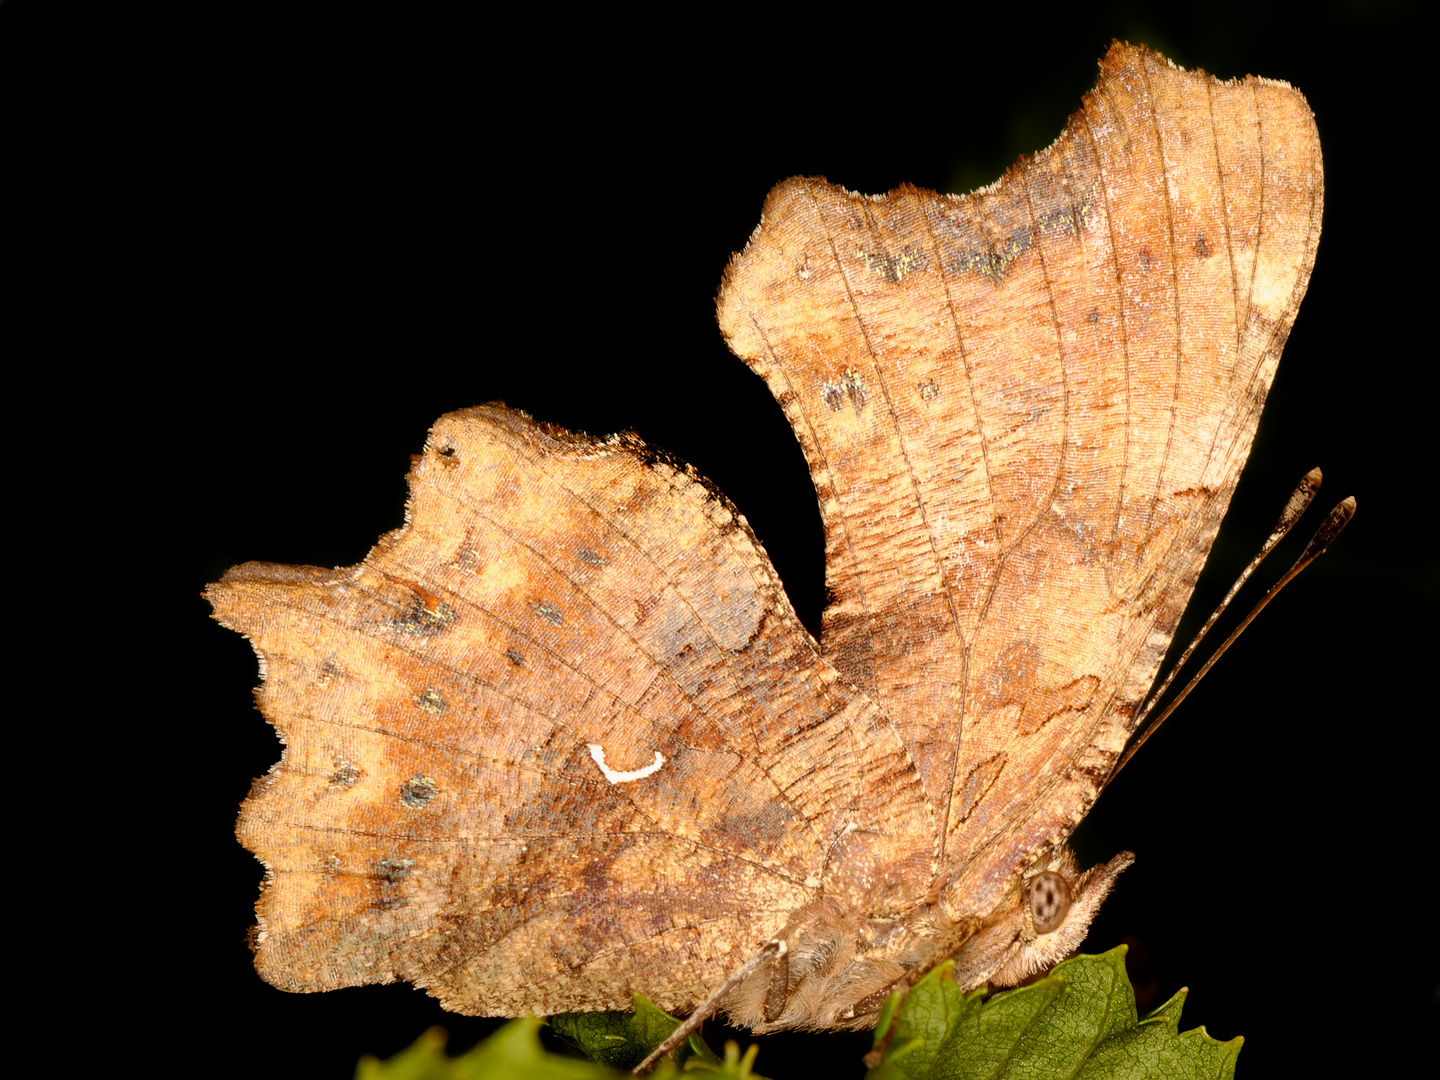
<point>1049,901</point>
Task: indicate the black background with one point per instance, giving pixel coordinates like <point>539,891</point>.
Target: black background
<point>275,244</point>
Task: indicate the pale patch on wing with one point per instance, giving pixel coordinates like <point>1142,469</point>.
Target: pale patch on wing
<point>598,753</point>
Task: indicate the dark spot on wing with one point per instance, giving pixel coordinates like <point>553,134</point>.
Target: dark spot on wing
<point>390,874</point>
<point>418,791</point>
<point>422,620</point>
<point>432,702</point>
<point>345,774</point>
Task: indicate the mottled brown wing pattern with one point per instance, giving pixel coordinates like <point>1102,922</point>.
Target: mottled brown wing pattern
<point>556,740</point>
<point>1025,411</point>
<point>561,738</point>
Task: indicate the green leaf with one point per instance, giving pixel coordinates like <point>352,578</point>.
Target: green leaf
<point>1079,1021</point>
<point>622,1040</point>
<point>513,1051</point>
<point>734,1066</point>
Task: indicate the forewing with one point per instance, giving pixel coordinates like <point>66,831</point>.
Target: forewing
<point>554,604</point>
<point>1025,411</point>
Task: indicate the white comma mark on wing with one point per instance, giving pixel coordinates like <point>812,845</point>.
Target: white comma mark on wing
<point>598,753</point>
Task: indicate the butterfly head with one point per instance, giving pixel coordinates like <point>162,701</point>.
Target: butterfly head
<point>1043,922</point>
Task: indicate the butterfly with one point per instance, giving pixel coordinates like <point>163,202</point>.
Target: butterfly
<point>562,738</point>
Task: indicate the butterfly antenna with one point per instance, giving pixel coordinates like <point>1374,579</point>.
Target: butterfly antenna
<point>1329,529</point>
<point>1299,501</point>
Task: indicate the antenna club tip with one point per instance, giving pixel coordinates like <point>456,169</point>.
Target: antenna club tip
<point>1329,529</point>
<point>1341,515</point>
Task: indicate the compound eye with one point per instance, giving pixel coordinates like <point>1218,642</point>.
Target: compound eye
<point>1049,901</point>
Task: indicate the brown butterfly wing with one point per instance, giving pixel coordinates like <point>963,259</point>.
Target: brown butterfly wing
<point>1025,412</point>
<point>439,815</point>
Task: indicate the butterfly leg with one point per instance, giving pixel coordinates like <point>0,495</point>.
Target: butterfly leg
<point>774,949</point>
